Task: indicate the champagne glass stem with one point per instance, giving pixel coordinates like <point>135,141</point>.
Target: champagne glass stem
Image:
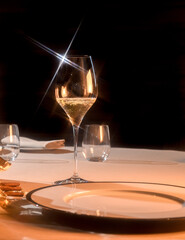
<point>75,136</point>
<point>75,178</point>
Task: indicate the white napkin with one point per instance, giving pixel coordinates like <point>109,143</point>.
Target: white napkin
<point>30,143</point>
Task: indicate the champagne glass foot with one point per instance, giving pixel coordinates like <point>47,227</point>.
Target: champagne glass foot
<point>71,180</point>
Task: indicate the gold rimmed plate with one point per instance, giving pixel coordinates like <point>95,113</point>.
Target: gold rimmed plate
<point>114,206</point>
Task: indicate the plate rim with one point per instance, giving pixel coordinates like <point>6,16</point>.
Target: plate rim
<point>125,219</point>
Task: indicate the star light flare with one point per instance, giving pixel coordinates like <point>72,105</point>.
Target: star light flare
<point>62,59</point>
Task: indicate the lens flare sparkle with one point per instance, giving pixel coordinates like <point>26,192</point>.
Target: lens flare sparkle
<point>62,59</point>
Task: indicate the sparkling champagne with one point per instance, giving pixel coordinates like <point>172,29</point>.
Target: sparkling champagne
<point>76,108</point>
<point>76,91</point>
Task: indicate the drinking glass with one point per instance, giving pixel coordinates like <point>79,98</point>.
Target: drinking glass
<point>96,142</point>
<point>9,150</point>
<point>9,145</point>
<point>76,91</point>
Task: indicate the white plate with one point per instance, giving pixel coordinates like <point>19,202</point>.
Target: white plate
<point>115,200</point>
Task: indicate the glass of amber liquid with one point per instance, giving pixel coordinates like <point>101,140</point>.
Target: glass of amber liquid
<point>76,91</point>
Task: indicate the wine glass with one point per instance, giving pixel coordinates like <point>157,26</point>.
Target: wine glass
<point>9,145</point>
<point>76,91</point>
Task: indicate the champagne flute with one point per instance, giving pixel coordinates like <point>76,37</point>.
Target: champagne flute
<point>76,91</point>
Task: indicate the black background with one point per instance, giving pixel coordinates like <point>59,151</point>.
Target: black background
<point>138,49</point>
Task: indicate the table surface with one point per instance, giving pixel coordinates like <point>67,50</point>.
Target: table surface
<point>43,167</point>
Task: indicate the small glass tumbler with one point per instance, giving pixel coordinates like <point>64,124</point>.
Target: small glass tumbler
<point>96,142</point>
<point>9,142</point>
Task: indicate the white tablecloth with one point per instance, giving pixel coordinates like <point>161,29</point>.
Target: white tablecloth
<point>159,166</point>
